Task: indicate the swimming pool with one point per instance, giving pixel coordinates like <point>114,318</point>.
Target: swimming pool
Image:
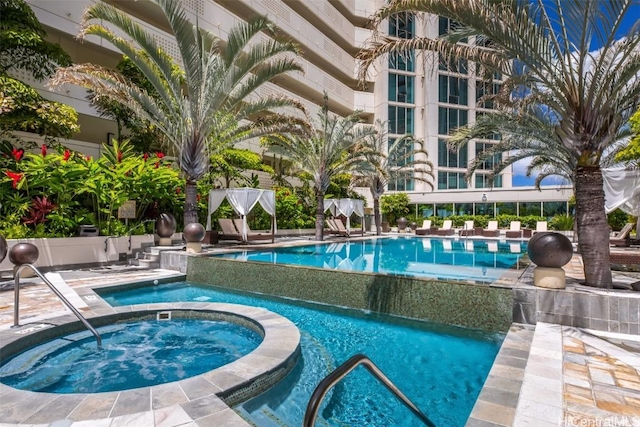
<point>441,368</point>
<point>465,259</point>
<point>134,354</point>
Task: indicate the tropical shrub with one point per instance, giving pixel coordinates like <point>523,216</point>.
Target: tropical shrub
<point>561,223</point>
<point>51,192</point>
<point>394,206</point>
<point>617,219</point>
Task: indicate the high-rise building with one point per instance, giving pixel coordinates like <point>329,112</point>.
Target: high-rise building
<point>417,94</point>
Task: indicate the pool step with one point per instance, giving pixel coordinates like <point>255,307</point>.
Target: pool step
<point>146,259</point>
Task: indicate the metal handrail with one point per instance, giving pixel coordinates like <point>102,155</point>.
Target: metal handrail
<point>342,371</point>
<point>16,309</point>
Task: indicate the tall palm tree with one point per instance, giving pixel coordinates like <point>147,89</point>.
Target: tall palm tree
<point>331,146</point>
<point>216,86</point>
<point>405,158</point>
<point>560,54</point>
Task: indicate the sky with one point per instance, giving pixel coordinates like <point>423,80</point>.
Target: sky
<point>519,168</point>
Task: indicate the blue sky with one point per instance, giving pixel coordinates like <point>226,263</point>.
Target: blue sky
<point>519,178</point>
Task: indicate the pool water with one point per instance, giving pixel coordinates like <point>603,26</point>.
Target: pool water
<point>440,368</point>
<point>134,354</point>
<point>478,260</point>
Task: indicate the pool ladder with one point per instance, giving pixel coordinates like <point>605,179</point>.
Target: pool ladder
<point>342,371</point>
<point>16,308</point>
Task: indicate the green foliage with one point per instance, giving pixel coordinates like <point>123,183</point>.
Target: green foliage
<point>232,162</point>
<point>631,153</point>
<point>618,219</point>
<point>561,223</point>
<point>394,206</point>
<point>57,191</point>
<point>292,212</point>
<point>22,47</point>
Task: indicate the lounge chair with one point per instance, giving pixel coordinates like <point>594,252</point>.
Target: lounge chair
<point>333,228</point>
<point>514,231</point>
<point>491,230</point>
<point>426,228</point>
<point>228,230</point>
<point>622,237</point>
<point>341,228</point>
<point>446,229</point>
<point>541,227</point>
<point>251,235</point>
<point>467,229</point>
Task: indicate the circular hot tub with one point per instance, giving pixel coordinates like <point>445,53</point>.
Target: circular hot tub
<point>228,352</point>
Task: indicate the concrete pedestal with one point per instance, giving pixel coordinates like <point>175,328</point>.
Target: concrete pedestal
<point>549,277</point>
<point>194,247</point>
<point>164,241</point>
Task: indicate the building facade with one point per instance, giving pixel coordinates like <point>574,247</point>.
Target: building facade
<point>417,94</point>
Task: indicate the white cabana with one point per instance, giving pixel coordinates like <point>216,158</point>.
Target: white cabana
<point>243,200</point>
<point>622,190</point>
<point>345,207</point>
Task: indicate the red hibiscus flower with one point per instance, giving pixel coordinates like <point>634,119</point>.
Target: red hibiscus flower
<point>157,165</point>
<point>119,156</point>
<point>15,178</point>
<point>159,155</point>
<point>145,156</point>
<point>43,150</point>
<point>17,154</point>
<point>66,155</point>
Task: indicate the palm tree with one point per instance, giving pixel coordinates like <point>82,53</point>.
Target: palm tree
<point>331,146</point>
<point>545,51</point>
<point>191,107</point>
<point>405,158</point>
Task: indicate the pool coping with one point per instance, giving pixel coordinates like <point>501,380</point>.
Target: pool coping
<point>206,397</point>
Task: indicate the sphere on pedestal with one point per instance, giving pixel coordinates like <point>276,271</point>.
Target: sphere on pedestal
<point>3,248</point>
<point>549,249</point>
<point>166,225</point>
<point>23,253</point>
<point>402,223</point>
<point>193,232</point>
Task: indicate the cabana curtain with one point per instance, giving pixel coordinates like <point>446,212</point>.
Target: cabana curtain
<point>622,190</point>
<point>243,200</point>
<point>345,207</point>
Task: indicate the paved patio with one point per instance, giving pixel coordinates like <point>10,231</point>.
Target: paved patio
<point>547,375</point>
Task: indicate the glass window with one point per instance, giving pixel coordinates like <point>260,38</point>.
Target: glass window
<point>464,208</point>
<point>530,208</point>
<point>400,120</point>
<point>402,25</point>
<point>450,119</point>
<point>453,65</point>
<point>444,210</point>
<point>551,209</point>
<point>400,156</point>
<point>506,208</point>
<point>401,62</point>
<point>445,25</point>
<point>488,89</point>
<point>426,211</point>
<point>404,183</point>
<point>484,209</point>
<point>482,181</point>
<point>401,88</point>
<point>452,90</point>
<point>450,158</point>
<point>451,180</point>
<point>489,163</point>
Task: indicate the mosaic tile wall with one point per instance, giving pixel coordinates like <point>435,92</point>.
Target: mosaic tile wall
<point>481,307</point>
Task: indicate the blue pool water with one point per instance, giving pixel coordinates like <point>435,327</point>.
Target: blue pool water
<point>477,260</point>
<point>134,354</point>
<point>440,368</point>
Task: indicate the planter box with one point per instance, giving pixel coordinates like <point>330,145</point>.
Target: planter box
<point>76,251</point>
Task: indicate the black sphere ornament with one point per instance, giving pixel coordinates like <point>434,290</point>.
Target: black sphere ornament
<point>23,253</point>
<point>193,232</point>
<point>549,249</point>
<point>166,225</point>
<point>3,248</point>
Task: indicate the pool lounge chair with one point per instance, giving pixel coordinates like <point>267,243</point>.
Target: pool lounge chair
<point>333,228</point>
<point>341,228</point>
<point>622,237</point>
<point>251,235</point>
<point>541,227</point>
<point>426,228</point>
<point>491,230</point>
<point>228,230</point>
<point>514,231</point>
<point>467,229</point>
<point>446,229</point>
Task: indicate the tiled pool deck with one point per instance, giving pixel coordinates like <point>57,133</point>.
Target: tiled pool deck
<point>547,375</point>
